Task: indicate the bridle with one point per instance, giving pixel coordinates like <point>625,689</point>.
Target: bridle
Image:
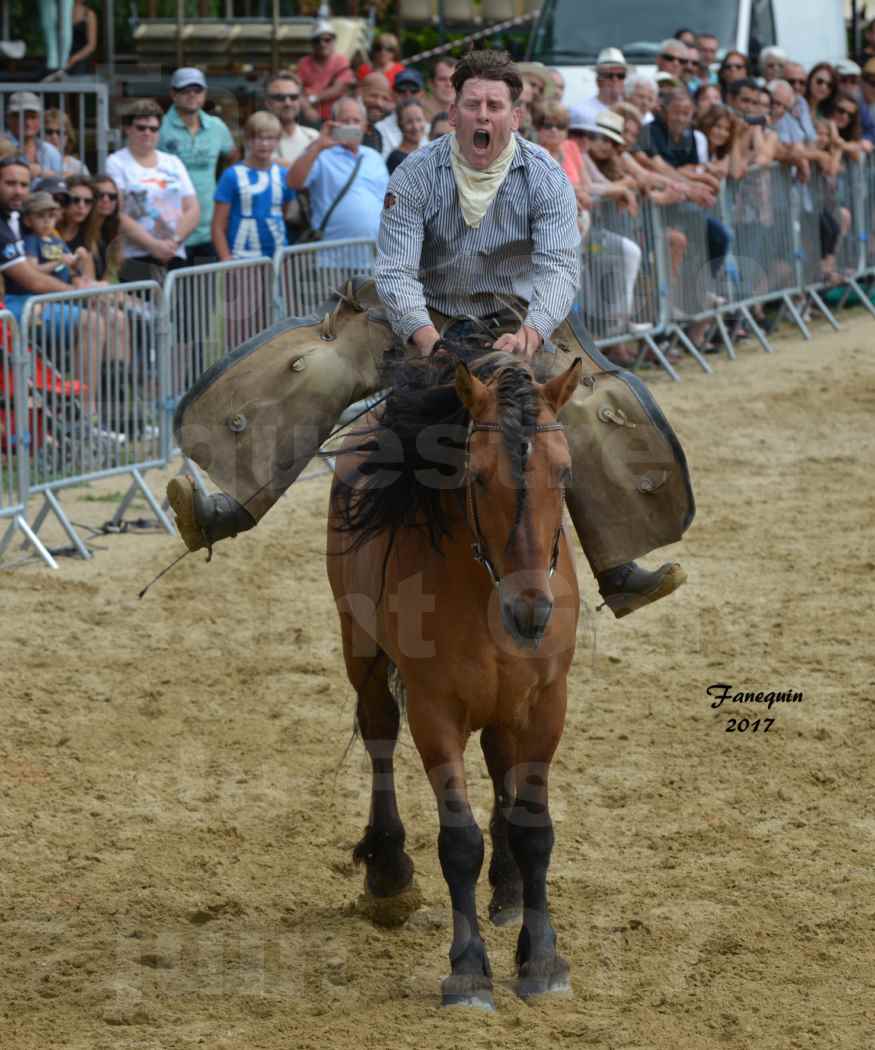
<point>479,550</point>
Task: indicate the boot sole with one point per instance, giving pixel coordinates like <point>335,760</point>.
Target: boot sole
<point>180,496</point>
<point>623,604</point>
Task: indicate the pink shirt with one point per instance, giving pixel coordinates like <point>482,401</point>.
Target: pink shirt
<point>316,77</point>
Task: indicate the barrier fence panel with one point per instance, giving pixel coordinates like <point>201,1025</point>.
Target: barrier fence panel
<point>308,274</point>
<point>619,281</point>
<point>16,428</point>
<point>96,385</point>
<point>85,103</point>
<point>209,311</point>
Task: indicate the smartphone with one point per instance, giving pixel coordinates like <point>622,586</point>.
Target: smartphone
<point>346,133</point>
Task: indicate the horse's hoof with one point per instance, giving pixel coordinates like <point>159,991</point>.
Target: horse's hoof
<point>467,990</point>
<point>506,906</point>
<point>543,977</point>
<point>390,911</point>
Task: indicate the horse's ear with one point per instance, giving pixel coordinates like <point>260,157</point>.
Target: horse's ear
<point>472,393</point>
<point>560,388</point>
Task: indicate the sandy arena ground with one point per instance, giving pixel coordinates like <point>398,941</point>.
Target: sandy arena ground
<point>177,810</point>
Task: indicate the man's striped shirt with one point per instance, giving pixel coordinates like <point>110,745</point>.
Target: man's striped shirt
<point>526,245</point>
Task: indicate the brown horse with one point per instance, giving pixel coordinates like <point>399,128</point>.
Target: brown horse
<point>455,465</point>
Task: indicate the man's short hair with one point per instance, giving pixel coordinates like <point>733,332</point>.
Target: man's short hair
<point>281,74</point>
<point>443,60</point>
<point>735,87</point>
<point>335,109</point>
<point>141,107</point>
<point>488,65</point>
<point>674,95</point>
<point>261,123</point>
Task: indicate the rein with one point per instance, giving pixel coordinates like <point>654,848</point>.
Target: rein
<point>479,549</point>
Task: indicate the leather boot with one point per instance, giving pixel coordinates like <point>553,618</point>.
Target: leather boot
<point>628,587</point>
<point>204,520</point>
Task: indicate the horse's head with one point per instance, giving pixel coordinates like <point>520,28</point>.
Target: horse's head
<point>517,467</point>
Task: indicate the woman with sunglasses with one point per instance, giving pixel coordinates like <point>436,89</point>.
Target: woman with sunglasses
<point>103,237</point>
<point>821,90</point>
<point>385,53</point>
<point>160,207</point>
<point>733,67</point>
<point>73,220</point>
<point>58,132</point>
<point>848,128</point>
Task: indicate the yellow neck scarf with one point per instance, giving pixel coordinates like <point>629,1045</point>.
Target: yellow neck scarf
<point>478,188</point>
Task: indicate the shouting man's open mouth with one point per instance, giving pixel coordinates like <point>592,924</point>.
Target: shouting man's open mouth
<point>481,140</point>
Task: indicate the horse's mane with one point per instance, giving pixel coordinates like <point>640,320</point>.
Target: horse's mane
<point>416,451</point>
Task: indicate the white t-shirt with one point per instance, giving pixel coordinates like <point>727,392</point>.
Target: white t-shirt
<point>585,114</point>
<point>152,196</point>
<point>701,146</point>
<point>292,146</point>
<point>391,133</point>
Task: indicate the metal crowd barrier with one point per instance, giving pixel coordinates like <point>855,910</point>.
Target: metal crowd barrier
<point>20,425</point>
<point>308,274</point>
<point>86,103</point>
<point>95,379</point>
<point>209,311</point>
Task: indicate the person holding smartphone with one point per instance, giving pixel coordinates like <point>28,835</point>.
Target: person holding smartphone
<point>347,181</point>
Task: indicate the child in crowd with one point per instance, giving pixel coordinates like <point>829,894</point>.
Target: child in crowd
<point>251,197</point>
<point>47,250</point>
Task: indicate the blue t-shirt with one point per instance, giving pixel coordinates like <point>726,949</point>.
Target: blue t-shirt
<point>48,249</point>
<point>358,214</point>
<point>257,198</point>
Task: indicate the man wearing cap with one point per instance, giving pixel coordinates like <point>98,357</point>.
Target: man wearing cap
<point>610,77</point>
<point>408,85</point>
<point>199,140</point>
<point>23,112</point>
<point>324,74</point>
<point>478,240</point>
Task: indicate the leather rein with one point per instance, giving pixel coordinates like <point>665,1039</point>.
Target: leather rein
<point>479,549</point>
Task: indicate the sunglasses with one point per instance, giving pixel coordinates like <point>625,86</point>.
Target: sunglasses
<point>671,58</point>
<point>106,195</point>
<point>195,89</point>
<point>383,47</point>
<point>612,76</point>
<point>594,136</point>
<point>823,82</point>
<point>793,81</point>
<point>51,131</point>
<point>846,112</point>
<point>280,96</point>
<point>735,65</point>
<point>550,125</point>
<point>151,128</point>
<point>82,200</point>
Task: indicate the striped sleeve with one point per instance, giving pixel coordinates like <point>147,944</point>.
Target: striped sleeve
<point>399,249</point>
<point>555,252</point>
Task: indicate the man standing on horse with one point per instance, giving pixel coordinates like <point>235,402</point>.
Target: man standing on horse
<point>478,240</point>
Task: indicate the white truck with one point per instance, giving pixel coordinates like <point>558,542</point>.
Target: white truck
<point>570,33</point>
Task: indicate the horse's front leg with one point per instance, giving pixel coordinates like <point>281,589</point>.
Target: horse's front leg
<point>530,835</point>
<point>499,750</point>
<point>460,849</point>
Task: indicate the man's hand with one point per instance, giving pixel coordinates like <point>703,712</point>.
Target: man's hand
<point>424,339</point>
<point>525,342</point>
<point>164,250</point>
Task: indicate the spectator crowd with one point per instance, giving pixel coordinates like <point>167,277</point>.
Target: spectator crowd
<point>315,160</point>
